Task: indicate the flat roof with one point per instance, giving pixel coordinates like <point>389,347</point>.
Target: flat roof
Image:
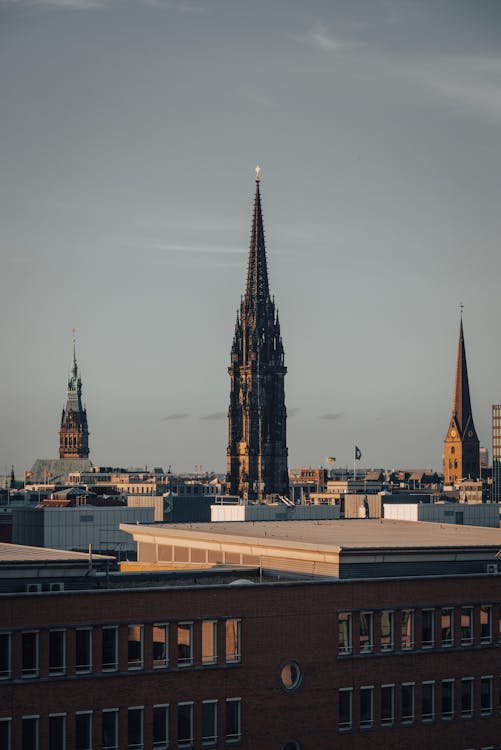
<point>343,534</point>
<point>19,553</point>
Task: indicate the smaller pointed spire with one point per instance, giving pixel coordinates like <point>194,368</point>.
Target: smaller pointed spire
<point>12,478</point>
<point>461,407</point>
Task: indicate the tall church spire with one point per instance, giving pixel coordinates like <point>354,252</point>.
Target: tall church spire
<point>461,445</point>
<point>74,433</point>
<point>257,448</point>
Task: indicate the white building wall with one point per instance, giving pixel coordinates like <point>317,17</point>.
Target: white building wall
<point>486,514</point>
<point>274,513</point>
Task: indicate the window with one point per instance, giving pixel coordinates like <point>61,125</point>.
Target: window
<point>447,626</point>
<point>387,705</point>
<point>407,628</point>
<point>466,626</point>
<point>110,649</point>
<point>344,633</point>
<point>366,706</point>
<point>366,642</point>
<point>83,730</point>
<point>29,658</point>
<point>135,647</point>
<point>467,697</point>
<point>83,648</point>
<point>232,640</point>
<point>345,708</point>
<point>184,644</point>
<point>485,624</point>
<point>427,639</point>
<point>209,642</point>
<point>57,732</point>
<point>407,702</point>
<point>160,645</point>
<point>427,701</point>
<point>5,665</point>
<point>184,724</point>
<point>486,695</point>
<point>5,733</point>
<point>386,631</point>
<point>135,728</point>
<point>233,730</point>
<point>57,652</point>
<point>29,728</point>
<point>160,727</point>
<point>209,722</point>
<point>290,676</point>
<point>447,699</point>
<point>109,728</point>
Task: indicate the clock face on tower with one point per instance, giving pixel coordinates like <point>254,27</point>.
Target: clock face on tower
<point>453,433</point>
<point>470,433</point>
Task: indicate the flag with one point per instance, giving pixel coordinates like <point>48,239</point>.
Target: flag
<point>358,453</point>
<point>331,460</point>
<point>28,474</point>
<point>47,473</point>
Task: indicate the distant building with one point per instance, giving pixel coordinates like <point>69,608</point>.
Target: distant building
<point>257,446</point>
<point>74,432</point>
<point>461,445</point>
<point>496,453</point>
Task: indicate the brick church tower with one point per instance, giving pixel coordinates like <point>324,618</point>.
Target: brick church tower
<point>461,445</point>
<point>257,447</point>
<point>74,433</point>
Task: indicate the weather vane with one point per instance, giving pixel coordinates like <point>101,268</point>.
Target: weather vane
<point>258,169</point>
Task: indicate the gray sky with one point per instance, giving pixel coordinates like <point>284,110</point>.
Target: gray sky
<point>129,134</point>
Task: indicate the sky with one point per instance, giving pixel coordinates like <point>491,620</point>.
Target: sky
<point>129,134</point>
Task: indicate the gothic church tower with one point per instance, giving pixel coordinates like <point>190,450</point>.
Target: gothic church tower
<point>74,433</point>
<point>257,447</point>
<point>461,445</point>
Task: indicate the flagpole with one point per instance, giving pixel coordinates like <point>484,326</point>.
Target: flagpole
<point>355,465</point>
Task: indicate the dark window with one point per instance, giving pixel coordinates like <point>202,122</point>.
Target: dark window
<point>387,704</point>
<point>83,647</point>
<point>4,656</point>
<point>160,727</point>
<point>5,733</point>
<point>467,696</point>
<point>345,698</point>
<point>366,706</point>
<point>486,695</point>
<point>110,730</point>
<point>57,641</point>
<point>407,703</point>
<point>83,731</point>
<point>57,732</point>
<point>110,649</point>
<point>447,699</point>
<point>185,724</point>
<point>233,730</point>
<point>209,722</point>
<point>135,728</point>
<point>427,638</point>
<point>29,733</point>
<point>428,701</point>
<point>29,647</point>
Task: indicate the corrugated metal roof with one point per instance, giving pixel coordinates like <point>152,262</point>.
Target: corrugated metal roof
<point>22,553</point>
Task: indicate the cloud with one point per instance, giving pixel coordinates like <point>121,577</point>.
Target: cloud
<point>293,412</point>
<point>175,416</point>
<point>471,84</point>
<point>319,37</point>
<point>332,415</point>
<point>215,415</point>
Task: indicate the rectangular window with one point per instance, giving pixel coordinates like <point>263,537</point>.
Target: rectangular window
<point>233,640</point>
<point>5,734</point>
<point>83,730</point>
<point>160,727</point>
<point>184,724</point>
<point>407,628</point>
<point>110,649</point>
<point>386,631</point>
<point>466,626</point>
<point>345,708</point>
<point>160,645</point>
<point>135,647</point>
<point>427,701</point>
<point>366,706</point>
<point>387,705</point>
<point>135,728</point>
<point>209,642</point>
<point>427,634</point>
<point>366,630</point>
<point>447,626</point>
<point>57,652</point>
<point>486,695</point>
<point>447,699</point>
<point>485,623</point>
<point>57,732</point>
<point>209,723</point>
<point>5,657</point>
<point>29,737</point>
<point>184,644</point>
<point>467,697</point>
<point>29,657</point>
<point>233,719</point>
<point>407,703</point>
<point>83,650</point>
<point>109,728</point>
<point>344,633</point>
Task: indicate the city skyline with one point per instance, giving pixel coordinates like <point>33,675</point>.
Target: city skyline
<point>131,132</point>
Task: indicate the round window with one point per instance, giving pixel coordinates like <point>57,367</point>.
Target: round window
<point>290,677</point>
<point>292,745</point>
